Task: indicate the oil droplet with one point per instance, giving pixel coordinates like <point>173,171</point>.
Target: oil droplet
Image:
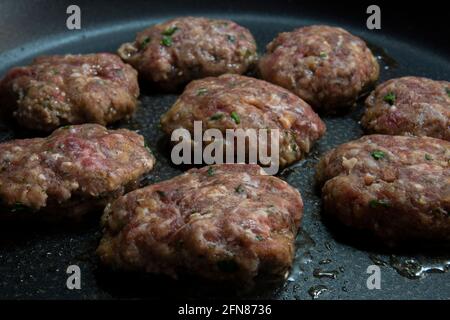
<point>293,168</point>
<point>325,274</point>
<point>325,261</point>
<point>382,56</point>
<point>411,268</point>
<point>301,259</point>
<point>303,256</point>
<point>316,291</point>
<point>378,261</point>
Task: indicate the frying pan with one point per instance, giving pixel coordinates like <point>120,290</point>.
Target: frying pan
<point>331,262</point>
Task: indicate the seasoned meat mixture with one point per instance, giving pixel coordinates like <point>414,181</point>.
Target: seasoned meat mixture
<point>326,66</point>
<point>224,223</point>
<point>170,54</point>
<point>409,106</point>
<point>59,90</point>
<point>395,187</point>
<point>71,172</point>
<point>235,101</point>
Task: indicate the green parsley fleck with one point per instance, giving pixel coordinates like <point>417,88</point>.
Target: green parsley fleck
<point>228,266</point>
<point>378,154</point>
<point>146,146</point>
<point>162,194</point>
<point>428,157</point>
<point>231,38</point>
<point>66,127</point>
<point>19,207</point>
<point>239,189</point>
<point>246,53</point>
<point>375,203</point>
<point>166,41</point>
<point>145,42</point>
<point>235,117</point>
<point>210,171</point>
<point>440,211</point>
<point>216,116</point>
<point>448,91</point>
<point>202,91</point>
<point>180,243</point>
<point>47,104</point>
<point>259,238</point>
<point>170,31</point>
<point>390,98</point>
<point>323,55</point>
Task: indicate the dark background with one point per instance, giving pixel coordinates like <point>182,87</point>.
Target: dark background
<point>34,257</point>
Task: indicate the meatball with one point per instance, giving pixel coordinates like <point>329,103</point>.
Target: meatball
<point>71,172</point>
<point>235,101</point>
<point>170,54</point>
<point>59,90</point>
<point>409,106</point>
<point>326,66</point>
<point>226,222</point>
<point>395,187</point>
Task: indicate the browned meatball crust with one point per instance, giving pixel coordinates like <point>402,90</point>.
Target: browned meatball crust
<point>59,90</point>
<point>172,53</point>
<point>395,187</point>
<point>72,171</point>
<point>326,66</point>
<point>235,101</point>
<point>409,106</point>
<point>226,222</point>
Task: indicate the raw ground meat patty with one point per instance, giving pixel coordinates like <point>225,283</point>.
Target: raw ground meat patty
<point>177,51</point>
<point>409,106</point>
<point>396,187</point>
<point>326,66</point>
<point>59,90</point>
<point>224,222</point>
<point>235,101</point>
<point>74,170</point>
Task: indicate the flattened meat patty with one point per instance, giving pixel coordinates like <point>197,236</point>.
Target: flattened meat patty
<point>234,101</point>
<point>74,170</point>
<point>59,90</point>
<point>396,187</point>
<point>326,66</point>
<point>224,222</point>
<point>409,106</point>
<point>175,52</point>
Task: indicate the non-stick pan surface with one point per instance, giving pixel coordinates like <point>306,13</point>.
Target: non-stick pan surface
<point>330,260</point>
